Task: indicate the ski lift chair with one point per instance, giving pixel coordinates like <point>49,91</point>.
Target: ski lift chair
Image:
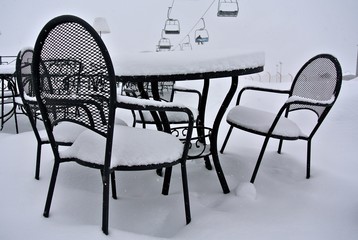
<point>228,8</point>
<point>93,105</point>
<point>171,26</point>
<point>315,87</point>
<point>201,34</point>
<point>164,45</point>
<point>186,45</point>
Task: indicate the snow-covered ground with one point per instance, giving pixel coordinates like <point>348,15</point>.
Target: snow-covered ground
<point>281,205</point>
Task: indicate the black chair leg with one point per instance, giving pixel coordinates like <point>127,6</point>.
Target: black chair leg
<point>51,188</point>
<point>208,163</point>
<point>226,139</point>
<point>105,205</point>
<point>263,148</point>
<point>113,184</point>
<point>308,170</point>
<point>134,118</point>
<point>159,172</point>
<point>216,161</point>
<point>186,193</point>
<point>38,161</point>
<point>280,146</point>
<point>15,117</point>
<point>166,182</point>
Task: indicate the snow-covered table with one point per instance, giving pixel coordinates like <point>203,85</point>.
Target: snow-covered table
<point>7,72</point>
<point>7,69</point>
<point>192,65</point>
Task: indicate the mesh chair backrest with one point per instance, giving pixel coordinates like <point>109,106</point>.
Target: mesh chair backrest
<point>25,82</point>
<point>319,79</point>
<point>24,76</point>
<point>67,72</point>
<point>74,76</point>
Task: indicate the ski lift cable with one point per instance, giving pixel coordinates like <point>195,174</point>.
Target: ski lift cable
<point>197,22</point>
<point>170,9</point>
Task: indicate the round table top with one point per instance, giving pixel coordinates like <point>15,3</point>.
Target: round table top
<point>7,69</point>
<point>187,65</point>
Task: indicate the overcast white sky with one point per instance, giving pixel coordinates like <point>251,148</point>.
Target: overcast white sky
<point>288,31</point>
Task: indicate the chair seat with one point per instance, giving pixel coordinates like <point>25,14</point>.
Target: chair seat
<point>131,147</point>
<point>258,121</point>
<point>67,132</point>
<point>173,117</point>
<point>18,100</point>
<point>7,93</point>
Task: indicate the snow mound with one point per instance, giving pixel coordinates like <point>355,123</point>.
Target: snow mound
<point>246,191</point>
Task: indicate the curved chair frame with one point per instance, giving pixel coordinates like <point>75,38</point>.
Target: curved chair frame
<point>93,104</point>
<point>306,93</point>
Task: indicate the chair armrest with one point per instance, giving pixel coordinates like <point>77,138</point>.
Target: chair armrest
<point>183,89</point>
<point>30,99</point>
<point>261,89</point>
<point>188,90</point>
<point>150,105</point>
<point>132,103</point>
<point>307,101</point>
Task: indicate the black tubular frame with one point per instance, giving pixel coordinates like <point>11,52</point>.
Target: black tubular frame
<point>26,90</point>
<point>93,105</point>
<point>52,34</point>
<point>8,84</point>
<point>140,89</point>
<point>320,107</point>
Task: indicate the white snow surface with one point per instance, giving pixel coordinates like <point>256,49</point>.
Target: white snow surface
<point>132,147</point>
<point>7,68</point>
<point>261,121</point>
<point>184,62</point>
<point>282,204</point>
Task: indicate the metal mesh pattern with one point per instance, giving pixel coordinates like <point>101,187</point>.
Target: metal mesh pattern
<point>26,76</point>
<point>317,80</point>
<point>75,83</point>
<point>165,89</point>
<point>26,84</point>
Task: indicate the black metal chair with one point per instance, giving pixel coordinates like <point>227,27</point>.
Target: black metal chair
<point>166,92</point>
<point>9,99</point>
<point>65,132</point>
<point>315,87</point>
<point>90,100</point>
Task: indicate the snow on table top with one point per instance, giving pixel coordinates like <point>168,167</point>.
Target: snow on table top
<point>7,68</point>
<point>185,62</point>
<point>178,62</point>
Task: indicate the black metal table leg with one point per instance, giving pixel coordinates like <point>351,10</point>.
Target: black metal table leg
<point>215,131</point>
<point>6,116</point>
<point>201,118</point>
<point>2,103</point>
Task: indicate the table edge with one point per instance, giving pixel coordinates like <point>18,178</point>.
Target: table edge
<point>189,76</point>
